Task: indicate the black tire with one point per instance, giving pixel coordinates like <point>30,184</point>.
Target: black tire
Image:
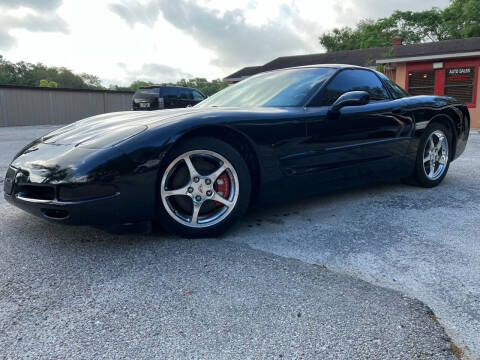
<point>170,223</point>
<point>419,176</point>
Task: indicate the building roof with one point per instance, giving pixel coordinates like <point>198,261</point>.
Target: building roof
<point>360,57</point>
<point>245,72</point>
<point>368,57</point>
<point>432,50</point>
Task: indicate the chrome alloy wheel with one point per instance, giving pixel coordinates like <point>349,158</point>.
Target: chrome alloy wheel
<point>435,155</point>
<point>199,195</point>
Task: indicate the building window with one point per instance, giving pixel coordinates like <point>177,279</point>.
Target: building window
<point>421,82</point>
<point>459,83</point>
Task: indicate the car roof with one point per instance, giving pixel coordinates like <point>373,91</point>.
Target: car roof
<point>164,86</point>
<point>329,65</point>
<point>332,66</point>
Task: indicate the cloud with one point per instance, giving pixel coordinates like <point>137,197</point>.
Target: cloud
<point>133,12</point>
<point>351,12</point>
<point>233,40</point>
<point>41,18</point>
<point>32,4</point>
<point>158,73</point>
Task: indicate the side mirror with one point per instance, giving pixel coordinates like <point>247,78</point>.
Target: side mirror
<point>352,98</point>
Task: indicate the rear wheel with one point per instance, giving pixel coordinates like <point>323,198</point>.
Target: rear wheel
<point>204,188</point>
<point>433,156</point>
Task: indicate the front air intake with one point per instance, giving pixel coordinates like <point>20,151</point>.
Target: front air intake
<point>55,214</point>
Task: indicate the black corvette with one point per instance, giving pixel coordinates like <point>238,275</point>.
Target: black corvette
<point>276,135</point>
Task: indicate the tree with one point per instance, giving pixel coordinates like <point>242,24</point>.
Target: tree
<point>202,84</point>
<point>461,19</point>
<point>92,80</point>
<point>139,83</point>
<point>23,73</point>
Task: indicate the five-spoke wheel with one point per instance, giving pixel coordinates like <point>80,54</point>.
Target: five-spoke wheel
<point>209,184</point>
<point>433,156</point>
<point>204,187</point>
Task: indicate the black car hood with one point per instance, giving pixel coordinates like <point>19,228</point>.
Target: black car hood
<point>106,130</point>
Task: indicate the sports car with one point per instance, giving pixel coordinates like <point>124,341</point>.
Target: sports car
<point>277,135</point>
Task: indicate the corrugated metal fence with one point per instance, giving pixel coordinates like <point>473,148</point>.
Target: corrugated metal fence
<point>24,105</point>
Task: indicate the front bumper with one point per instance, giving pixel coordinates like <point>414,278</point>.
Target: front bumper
<point>130,204</point>
<point>85,212</point>
<point>39,174</point>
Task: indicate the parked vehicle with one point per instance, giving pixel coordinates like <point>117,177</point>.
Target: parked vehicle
<point>271,137</point>
<point>157,97</point>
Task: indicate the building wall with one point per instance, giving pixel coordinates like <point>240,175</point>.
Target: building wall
<point>401,75</point>
<point>401,79</point>
<point>38,106</point>
<point>475,112</point>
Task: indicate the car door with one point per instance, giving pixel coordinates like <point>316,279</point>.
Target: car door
<point>170,97</point>
<point>359,140</point>
<point>184,98</point>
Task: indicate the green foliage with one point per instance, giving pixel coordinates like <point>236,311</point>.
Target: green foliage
<point>92,80</point>
<point>46,83</point>
<point>23,73</point>
<point>202,84</point>
<point>138,83</point>
<point>461,19</point>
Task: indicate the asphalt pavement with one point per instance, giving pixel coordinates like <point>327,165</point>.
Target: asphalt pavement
<point>422,242</point>
<point>333,277</point>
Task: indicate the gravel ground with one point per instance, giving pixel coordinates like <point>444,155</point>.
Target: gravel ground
<point>422,242</point>
<point>78,292</point>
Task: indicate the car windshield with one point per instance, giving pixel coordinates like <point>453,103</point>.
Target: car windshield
<point>290,87</point>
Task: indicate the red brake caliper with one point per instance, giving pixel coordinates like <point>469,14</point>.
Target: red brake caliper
<point>222,187</point>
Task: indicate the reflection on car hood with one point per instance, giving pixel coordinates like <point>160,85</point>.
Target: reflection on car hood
<point>107,129</point>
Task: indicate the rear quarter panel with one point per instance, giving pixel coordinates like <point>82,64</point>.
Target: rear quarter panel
<point>426,109</point>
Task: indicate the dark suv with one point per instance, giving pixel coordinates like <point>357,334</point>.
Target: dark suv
<point>165,97</point>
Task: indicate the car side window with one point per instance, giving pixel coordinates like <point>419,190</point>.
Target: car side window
<point>185,94</point>
<point>170,93</point>
<point>395,90</point>
<point>351,80</point>
<point>197,96</point>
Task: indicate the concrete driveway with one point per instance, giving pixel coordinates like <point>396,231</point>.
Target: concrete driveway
<point>78,292</point>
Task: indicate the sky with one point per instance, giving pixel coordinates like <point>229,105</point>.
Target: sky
<point>165,40</point>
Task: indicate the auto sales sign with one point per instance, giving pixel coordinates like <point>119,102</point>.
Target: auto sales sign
<point>460,74</point>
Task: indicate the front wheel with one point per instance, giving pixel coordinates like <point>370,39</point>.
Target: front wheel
<point>433,156</point>
<point>204,188</point>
